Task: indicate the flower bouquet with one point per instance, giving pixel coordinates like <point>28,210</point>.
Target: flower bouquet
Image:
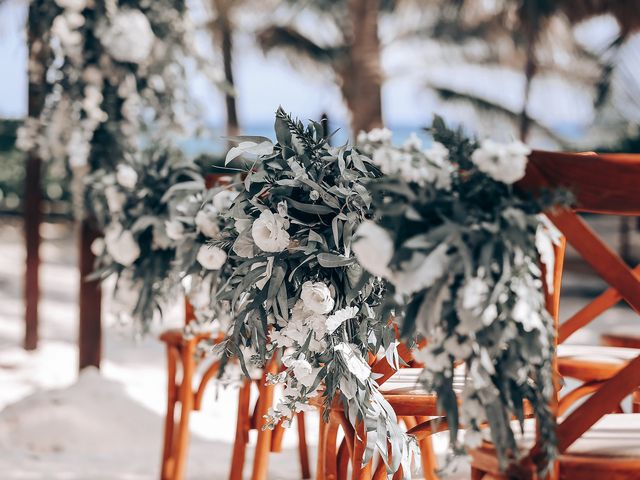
<point>137,208</point>
<point>298,294</point>
<point>462,252</point>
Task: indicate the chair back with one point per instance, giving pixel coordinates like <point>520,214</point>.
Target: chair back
<point>603,184</point>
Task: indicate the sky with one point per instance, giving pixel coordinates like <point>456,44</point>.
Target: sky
<point>264,83</point>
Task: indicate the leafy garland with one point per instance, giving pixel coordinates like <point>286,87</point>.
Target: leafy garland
<point>114,76</point>
<point>297,293</point>
<point>462,250</point>
<point>139,205</point>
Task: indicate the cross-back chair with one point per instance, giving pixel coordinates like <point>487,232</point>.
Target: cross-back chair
<point>412,406</point>
<point>593,443</point>
<point>185,392</point>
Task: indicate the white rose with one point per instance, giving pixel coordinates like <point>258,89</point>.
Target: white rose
<point>207,221</point>
<point>129,37</point>
<point>73,5</point>
<point>223,200</point>
<point>303,371</point>
<point>339,317</point>
<point>211,257</point>
<point>317,297</point>
<point>175,229</point>
<point>115,199</point>
<point>505,163</point>
<point>97,246</point>
<point>269,232</point>
<point>374,248</point>
<point>121,245</point>
<point>126,176</point>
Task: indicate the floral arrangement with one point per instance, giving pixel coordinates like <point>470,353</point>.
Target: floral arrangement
<point>115,76</point>
<point>140,206</point>
<point>461,250</point>
<point>297,292</point>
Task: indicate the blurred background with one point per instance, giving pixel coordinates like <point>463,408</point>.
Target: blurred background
<point>560,75</point>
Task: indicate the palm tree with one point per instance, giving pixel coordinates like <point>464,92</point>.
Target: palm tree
<point>222,29</point>
<point>353,57</point>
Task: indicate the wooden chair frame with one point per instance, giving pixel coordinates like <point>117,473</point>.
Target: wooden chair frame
<point>182,352</point>
<point>602,184</point>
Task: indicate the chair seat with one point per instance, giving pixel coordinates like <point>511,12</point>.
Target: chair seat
<point>405,382</point>
<point>622,337</point>
<point>593,362</point>
<point>614,435</point>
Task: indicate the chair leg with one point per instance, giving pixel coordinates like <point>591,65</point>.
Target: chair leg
<point>263,445</point>
<point>303,452</point>
<point>330,450</point>
<point>242,432</point>
<point>428,455</point>
<point>359,471</point>
<point>186,398</point>
<point>476,474</point>
<point>343,461</point>
<point>322,435</point>
<point>169,421</point>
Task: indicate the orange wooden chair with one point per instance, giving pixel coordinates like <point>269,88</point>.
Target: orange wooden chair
<point>183,361</point>
<point>593,442</point>
<point>411,404</point>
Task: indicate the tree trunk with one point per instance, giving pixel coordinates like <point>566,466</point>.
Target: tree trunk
<point>223,32</point>
<point>38,60</point>
<point>362,75</point>
<point>90,333</point>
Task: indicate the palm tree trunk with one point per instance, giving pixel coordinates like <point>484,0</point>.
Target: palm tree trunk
<point>362,76</point>
<point>223,32</point>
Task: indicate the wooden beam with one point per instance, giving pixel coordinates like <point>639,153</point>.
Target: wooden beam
<point>90,331</point>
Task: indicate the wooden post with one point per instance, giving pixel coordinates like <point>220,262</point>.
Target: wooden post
<point>38,56</point>
<point>90,332</point>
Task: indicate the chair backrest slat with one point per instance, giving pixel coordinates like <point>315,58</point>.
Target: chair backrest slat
<point>615,191</point>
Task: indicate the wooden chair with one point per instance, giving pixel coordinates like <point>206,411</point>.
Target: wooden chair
<point>182,352</point>
<point>411,404</point>
<point>593,443</point>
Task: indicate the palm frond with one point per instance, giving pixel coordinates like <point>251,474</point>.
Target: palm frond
<point>289,39</point>
<point>484,107</point>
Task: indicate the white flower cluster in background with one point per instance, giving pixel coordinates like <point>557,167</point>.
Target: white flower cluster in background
<point>411,161</point>
<point>504,162</point>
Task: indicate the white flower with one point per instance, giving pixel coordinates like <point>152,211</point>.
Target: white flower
<point>121,245</point>
<point>355,363</point>
<point>303,371</point>
<point>422,271</point>
<point>412,142</point>
<point>269,232</point>
<point>65,29</point>
<point>126,176</point>
<point>504,162</point>
<point>175,229</point>
<point>73,5</point>
<point>317,297</point>
<point>211,257</point>
<point>373,247</point>
<point>314,195</point>
<point>339,317</point>
<point>376,135</point>
<point>129,37</point>
<point>207,221</point>
<point>98,246</point>
<point>223,200</point>
<point>115,199</point>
